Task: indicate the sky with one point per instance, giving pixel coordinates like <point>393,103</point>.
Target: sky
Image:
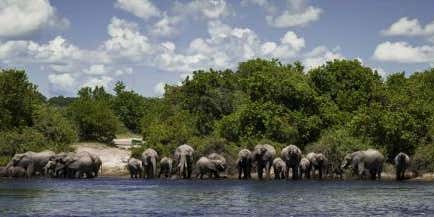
<point>65,45</point>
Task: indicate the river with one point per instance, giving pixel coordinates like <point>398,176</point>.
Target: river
<point>124,197</point>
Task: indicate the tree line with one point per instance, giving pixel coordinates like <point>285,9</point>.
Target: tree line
<point>336,108</point>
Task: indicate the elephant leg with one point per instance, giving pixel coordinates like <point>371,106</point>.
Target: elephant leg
<point>287,171</point>
<point>260,171</point>
<point>240,171</point>
<point>320,173</point>
<point>29,171</point>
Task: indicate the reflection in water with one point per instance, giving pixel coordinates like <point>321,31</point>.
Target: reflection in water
<point>123,197</point>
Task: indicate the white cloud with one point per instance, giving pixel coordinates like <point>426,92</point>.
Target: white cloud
<point>21,17</point>
<point>56,51</point>
<point>97,69</point>
<point>64,81</point>
<point>166,26</point>
<point>159,88</point>
<point>270,8</point>
<point>291,19</point>
<point>210,9</point>
<point>403,52</point>
<point>298,13</point>
<point>140,8</point>
<point>293,40</point>
<point>320,55</point>
<point>409,27</point>
<point>103,81</point>
<point>126,41</point>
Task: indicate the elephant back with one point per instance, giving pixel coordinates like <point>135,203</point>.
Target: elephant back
<point>291,154</point>
<point>266,151</point>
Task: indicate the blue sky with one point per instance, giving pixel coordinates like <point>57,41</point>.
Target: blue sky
<point>64,45</point>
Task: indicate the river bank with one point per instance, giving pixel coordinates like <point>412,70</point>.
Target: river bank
<point>114,161</point>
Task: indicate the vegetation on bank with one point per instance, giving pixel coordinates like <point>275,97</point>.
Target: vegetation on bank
<point>339,107</point>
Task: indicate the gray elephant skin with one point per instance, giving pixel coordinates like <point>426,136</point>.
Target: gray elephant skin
<point>263,155</point>
<point>244,164</point>
<point>402,162</point>
<point>149,161</point>
<point>292,156</point>
<point>32,162</point>
<point>166,167</point>
<point>219,158</point>
<point>212,168</point>
<point>74,165</point>
<point>318,162</point>
<point>279,168</point>
<point>368,162</point>
<point>305,168</point>
<point>184,160</point>
<point>135,168</point>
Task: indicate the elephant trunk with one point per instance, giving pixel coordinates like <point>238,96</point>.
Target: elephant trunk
<point>182,165</point>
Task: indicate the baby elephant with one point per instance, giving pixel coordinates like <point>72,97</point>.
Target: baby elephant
<point>135,168</point>
<point>166,167</point>
<point>209,167</point>
<point>402,162</point>
<point>279,167</point>
<point>305,168</point>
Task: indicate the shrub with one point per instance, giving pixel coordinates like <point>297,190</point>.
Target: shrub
<point>423,159</point>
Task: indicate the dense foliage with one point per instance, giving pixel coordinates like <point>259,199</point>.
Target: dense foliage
<point>339,107</point>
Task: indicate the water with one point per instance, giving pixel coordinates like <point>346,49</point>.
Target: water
<point>123,197</point>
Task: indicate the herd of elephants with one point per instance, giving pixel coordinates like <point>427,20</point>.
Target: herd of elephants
<point>366,163</point>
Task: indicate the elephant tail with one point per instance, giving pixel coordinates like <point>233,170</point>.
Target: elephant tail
<point>154,166</point>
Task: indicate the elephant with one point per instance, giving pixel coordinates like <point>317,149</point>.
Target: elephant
<point>166,167</point>
<point>97,164</point>
<point>59,163</point>
<point>263,155</point>
<point>318,162</point>
<point>135,167</point>
<point>32,162</point>
<point>291,155</point>
<point>16,172</point>
<point>149,161</point>
<point>82,164</point>
<point>279,167</point>
<point>184,159</point>
<point>50,169</point>
<point>305,168</point>
<point>244,164</point>
<point>402,162</point>
<point>210,167</point>
<point>3,172</point>
<point>363,162</point>
<point>218,157</point>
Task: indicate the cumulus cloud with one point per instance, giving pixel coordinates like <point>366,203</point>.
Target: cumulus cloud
<point>140,8</point>
<point>63,80</point>
<point>166,26</point>
<point>97,69</point>
<point>403,52</point>
<point>409,27</point>
<point>210,9</point>
<point>269,7</point>
<point>22,17</point>
<point>103,81</point>
<point>319,56</point>
<point>297,14</point>
<point>126,40</point>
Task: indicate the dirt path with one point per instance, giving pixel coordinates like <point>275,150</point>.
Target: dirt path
<point>113,159</point>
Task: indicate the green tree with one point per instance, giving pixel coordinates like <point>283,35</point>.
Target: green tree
<point>93,115</point>
<point>18,96</point>
<point>129,107</point>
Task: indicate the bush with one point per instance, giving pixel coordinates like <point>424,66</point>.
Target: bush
<point>94,119</point>
<point>54,126</point>
<point>423,159</point>
<point>21,140</point>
